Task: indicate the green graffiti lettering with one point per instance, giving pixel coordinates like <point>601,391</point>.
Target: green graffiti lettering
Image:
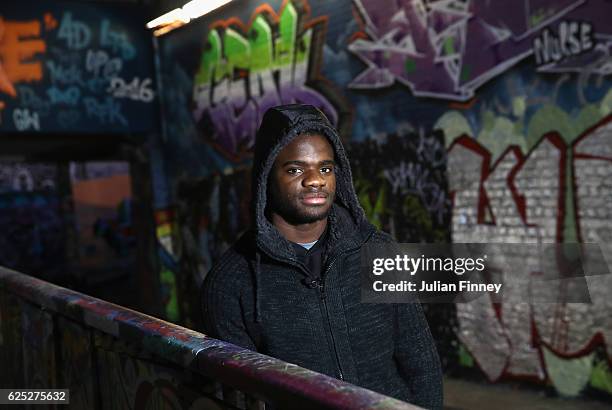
<point>237,51</point>
<point>258,52</point>
<point>260,39</point>
<point>211,58</point>
<point>286,41</point>
<point>242,72</point>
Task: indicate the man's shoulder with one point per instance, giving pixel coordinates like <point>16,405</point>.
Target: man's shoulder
<point>233,265</point>
<point>381,237</point>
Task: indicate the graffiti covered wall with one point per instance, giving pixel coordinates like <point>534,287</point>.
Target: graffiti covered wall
<point>436,47</point>
<point>32,238</point>
<point>525,199</point>
<point>72,68</point>
<point>246,69</point>
<point>466,120</point>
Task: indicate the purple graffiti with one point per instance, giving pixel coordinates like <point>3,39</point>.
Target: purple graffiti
<point>449,48</point>
<point>234,132</point>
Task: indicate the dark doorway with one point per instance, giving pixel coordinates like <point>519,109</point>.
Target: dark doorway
<point>77,212</point>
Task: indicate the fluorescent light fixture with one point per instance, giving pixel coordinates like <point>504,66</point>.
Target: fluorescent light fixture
<point>181,16</point>
<point>166,29</point>
<point>197,8</point>
<point>169,18</point>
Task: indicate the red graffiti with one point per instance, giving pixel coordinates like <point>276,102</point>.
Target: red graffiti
<point>50,22</point>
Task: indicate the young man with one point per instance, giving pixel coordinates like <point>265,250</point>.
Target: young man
<point>290,287</point>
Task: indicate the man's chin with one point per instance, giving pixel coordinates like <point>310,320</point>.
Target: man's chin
<point>311,215</point>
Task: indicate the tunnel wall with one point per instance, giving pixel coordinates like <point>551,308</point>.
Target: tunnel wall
<point>464,120</point>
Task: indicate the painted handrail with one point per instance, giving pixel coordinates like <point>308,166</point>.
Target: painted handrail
<point>270,380</point>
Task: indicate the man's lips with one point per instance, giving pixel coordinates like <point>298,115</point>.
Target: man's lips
<point>315,198</point>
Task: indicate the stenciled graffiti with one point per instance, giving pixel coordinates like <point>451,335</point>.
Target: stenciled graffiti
<point>245,70</point>
<point>448,48</point>
<point>522,199</point>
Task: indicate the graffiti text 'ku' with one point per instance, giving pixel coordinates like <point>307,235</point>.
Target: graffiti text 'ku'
<point>241,75</point>
<point>522,199</point>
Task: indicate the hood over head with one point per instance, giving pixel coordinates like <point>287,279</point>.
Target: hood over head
<point>280,125</point>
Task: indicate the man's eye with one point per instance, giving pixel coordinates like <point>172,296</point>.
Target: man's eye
<point>294,171</point>
<point>327,170</point>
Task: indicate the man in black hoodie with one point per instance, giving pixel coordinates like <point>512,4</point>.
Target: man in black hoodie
<point>290,287</point>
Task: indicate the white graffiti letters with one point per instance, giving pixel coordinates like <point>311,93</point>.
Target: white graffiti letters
<point>100,64</point>
<point>76,34</point>
<point>25,119</point>
<point>136,90</point>
<point>573,38</point>
<point>107,111</point>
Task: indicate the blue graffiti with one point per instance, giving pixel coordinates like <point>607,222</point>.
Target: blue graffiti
<point>69,96</point>
<point>118,42</point>
<point>28,98</point>
<point>64,75</point>
<point>99,63</point>
<point>76,34</point>
<point>107,111</point>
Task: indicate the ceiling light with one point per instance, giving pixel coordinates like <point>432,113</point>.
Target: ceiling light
<point>181,16</point>
<point>197,8</point>
<point>176,15</point>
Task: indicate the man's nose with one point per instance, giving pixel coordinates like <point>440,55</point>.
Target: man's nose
<point>314,179</point>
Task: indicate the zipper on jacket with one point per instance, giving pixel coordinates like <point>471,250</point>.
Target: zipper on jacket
<point>321,286</point>
<point>319,283</point>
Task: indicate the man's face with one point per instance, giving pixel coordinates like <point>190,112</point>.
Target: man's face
<point>303,180</point>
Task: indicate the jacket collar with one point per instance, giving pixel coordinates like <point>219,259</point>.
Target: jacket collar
<point>344,234</point>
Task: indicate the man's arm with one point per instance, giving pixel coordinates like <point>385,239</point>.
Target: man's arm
<point>417,357</point>
<point>223,310</point>
<point>415,350</point>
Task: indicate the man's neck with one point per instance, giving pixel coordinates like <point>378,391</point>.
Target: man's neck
<point>303,233</point>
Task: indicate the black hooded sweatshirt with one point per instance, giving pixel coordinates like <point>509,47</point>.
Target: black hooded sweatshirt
<point>259,295</point>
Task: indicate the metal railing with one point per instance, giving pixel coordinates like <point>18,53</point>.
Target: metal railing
<point>112,357</point>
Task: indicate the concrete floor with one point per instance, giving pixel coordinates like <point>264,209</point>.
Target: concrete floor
<point>467,395</point>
